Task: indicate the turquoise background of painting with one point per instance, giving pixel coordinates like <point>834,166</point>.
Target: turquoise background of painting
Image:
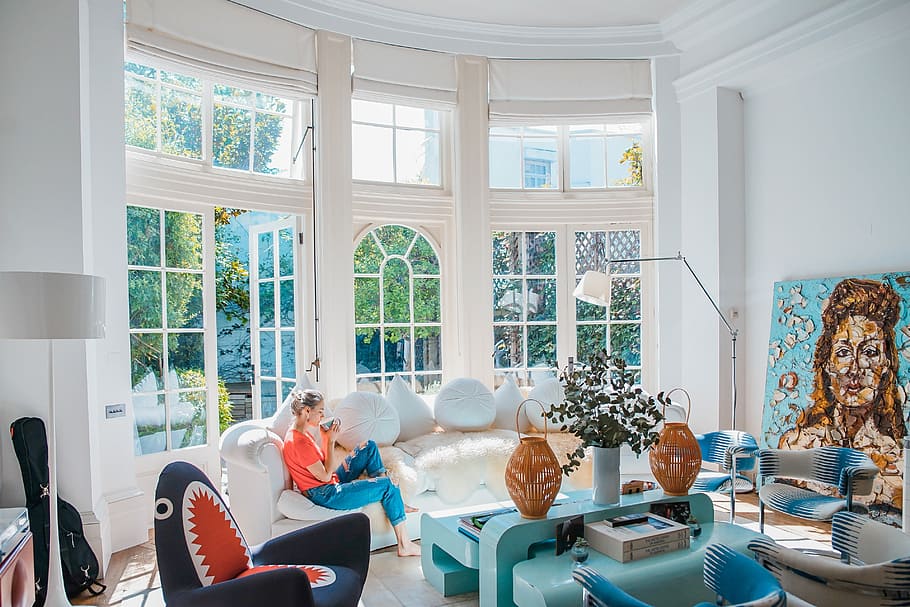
<point>779,417</point>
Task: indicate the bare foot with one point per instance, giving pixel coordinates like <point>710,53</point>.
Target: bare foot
<point>410,509</point>
<point>408,549</point>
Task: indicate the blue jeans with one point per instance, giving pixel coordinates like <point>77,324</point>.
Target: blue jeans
<point>351,493</point>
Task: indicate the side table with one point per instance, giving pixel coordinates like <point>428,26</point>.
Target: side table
<point>17,567</point>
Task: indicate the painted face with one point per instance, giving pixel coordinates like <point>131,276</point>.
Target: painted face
<point>858,361</point>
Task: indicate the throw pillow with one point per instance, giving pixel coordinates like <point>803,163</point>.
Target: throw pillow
<point>508,397</point>
<point>283,418</point>
<point>414,413</point>
<point>364,416</point>
<point>465,404</point>
<point>550,393</point>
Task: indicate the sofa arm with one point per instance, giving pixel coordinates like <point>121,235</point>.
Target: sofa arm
<point>243,444</point>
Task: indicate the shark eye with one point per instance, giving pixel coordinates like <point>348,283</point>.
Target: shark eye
<point>163,509</point>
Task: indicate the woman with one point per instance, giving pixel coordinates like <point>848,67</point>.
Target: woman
<point>309,453</point>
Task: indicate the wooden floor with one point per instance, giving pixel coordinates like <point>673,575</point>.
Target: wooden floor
<point>132,575</point>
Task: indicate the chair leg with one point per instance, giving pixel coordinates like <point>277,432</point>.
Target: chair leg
<point>761,516</point>
<point>733,490</point>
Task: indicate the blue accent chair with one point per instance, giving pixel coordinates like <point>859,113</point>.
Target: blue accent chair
<point>849,471</point>
<point>734,452</point>
<point>880,577</point>
<point>735,578</point>
<point>204,561</point>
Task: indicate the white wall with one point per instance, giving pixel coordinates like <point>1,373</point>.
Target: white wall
<point>827,183</point>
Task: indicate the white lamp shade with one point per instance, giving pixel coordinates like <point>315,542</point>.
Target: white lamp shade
<point>594,288</point>
<point>51,305</point>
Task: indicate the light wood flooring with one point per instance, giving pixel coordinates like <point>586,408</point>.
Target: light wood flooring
<point>132,576</point>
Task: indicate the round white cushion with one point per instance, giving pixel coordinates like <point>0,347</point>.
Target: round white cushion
<point>465,404</point>
<point>550,392</point>
<point>414,413</point>
<point>364,416</point>
<point>507,398</point>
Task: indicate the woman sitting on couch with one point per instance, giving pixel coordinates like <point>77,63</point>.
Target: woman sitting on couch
<point>309,453</point>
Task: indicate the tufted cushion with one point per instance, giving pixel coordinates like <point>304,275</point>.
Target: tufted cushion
<point>465,404</point>
<point>414,413</point>
<point>365,415</point>
<point>507,398</point>
<point>283,418</point>
<point>549,392</point>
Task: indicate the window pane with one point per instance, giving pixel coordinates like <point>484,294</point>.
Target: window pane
<point>187,419</point>
<point>181,123</point>
<point>268,397</point>
<point>426,300</point>
<point>508,301</point>
<point>590,340</point>
<point>625,341</point>
<point>147,361</point>
<point>586,129</point>
<point>184,300</point>
<point>541,252</point>
<point>366,300</point>
<point>145,299</point>
<point>369,384</point>
<point>423,258</point>
<point>427,349</point>
<point>591,252</point>
<point>367,257</point>
<point>587,311</point>
<point>507,253</point>
<point>286,304</point>
<point>505,162</point>
<point>267,353</point>
<point>273,145</point>
<point>624,161</point>
<point>625,244</point>
<point>367,343</point>
<point>395,239</point>
<point>183,240</point>
<point>266,261</point>
<point>286,252</point>
<point>142,70</point>
<point>396,291</point>
<point>231,137</point>
<point>397,350</point>
<point>428,384</point>
<point>535,131</point>
<point>417,118</point>
<point>187,82</point>
<point>625,300</point>
<point>417,157</point>
<point>541,167</point>
<point>288,354</point>
<point>541,346</point>
<point>273,104</point>
<point>369,111</point>
<point>267,304</point>
<point>542,299</point>
<point>371,156</point>
<point>230,94</point>
<point>507,347</point>
<point>140,113</point>
<point>186,361</point>
<point>149,417</point>
<point>143,235</point>
<point>587,162</point>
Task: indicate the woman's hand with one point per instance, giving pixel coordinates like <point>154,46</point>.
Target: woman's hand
<point>332,432</point>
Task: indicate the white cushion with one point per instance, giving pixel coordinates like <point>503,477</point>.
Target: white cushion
<point>364,416</point>
<point>465,404</point>
<point>294,505</point>
<point>507,398</point>
<point>549,392</point>
<point>414,413</point>
<point>283,418</point>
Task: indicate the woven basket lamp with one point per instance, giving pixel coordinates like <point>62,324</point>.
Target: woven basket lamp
<point>533,475</point>
<point>676,459</point>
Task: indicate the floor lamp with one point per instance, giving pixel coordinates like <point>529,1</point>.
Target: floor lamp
<point>51,306</point>
<point>595,288</point>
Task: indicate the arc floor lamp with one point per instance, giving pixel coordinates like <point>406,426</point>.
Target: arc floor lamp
<point>51,306</point>
<point>594,288</point>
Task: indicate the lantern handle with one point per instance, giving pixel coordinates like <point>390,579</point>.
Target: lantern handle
<point>667,400</point>
<point>518,412</point>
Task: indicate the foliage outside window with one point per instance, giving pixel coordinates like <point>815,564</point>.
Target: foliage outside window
<point>524,305</point>
<point>167,347</point>
<point>251,131</point>
<point>397,310</point>
<point>395,143</point>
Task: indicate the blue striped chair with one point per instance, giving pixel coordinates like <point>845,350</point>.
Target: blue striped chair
<point>735,578</point>
<point>850,471</point>
<point>734,452</point>
<point>880,577</point>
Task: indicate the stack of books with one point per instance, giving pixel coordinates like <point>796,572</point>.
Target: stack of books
<point>471,524</point>
<point>636,536</point>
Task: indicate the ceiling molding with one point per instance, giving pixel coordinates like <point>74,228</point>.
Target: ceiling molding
<point>732,68</point>
<point>367,21</point>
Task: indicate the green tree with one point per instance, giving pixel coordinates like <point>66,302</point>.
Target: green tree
<point>631,157</point>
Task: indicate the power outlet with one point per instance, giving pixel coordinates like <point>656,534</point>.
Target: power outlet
<point>115,410</point>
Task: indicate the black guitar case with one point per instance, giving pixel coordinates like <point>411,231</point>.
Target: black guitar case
<point>80,566</point>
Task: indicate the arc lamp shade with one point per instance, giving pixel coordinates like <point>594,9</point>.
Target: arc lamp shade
<point>51,305</point>
<point>594,288</point>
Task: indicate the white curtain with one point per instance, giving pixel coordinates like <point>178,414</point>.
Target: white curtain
<point>395,74</point>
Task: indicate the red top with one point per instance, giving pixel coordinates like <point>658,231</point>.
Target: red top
<point>300,450</point>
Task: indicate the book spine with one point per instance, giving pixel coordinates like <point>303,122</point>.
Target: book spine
<point>643,553</point>
<point>656,540</point>
<point>471,534</point>
<point>615,547</point>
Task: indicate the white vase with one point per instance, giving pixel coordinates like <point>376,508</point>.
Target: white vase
<point>606,475</point>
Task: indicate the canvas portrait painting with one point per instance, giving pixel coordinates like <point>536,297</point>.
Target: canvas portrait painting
<point>839,373</point>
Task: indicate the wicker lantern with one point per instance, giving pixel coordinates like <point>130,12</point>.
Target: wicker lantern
<point>676,459</point>
<point>533,475</point>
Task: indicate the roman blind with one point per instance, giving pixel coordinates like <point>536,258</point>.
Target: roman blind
<point>393,74</point>
<point>567,91</point>
<point>226,41</point>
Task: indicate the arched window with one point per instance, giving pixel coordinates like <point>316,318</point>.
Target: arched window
<point>396,310</point>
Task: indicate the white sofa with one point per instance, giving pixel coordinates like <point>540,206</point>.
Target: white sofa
<point>436,471</point>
